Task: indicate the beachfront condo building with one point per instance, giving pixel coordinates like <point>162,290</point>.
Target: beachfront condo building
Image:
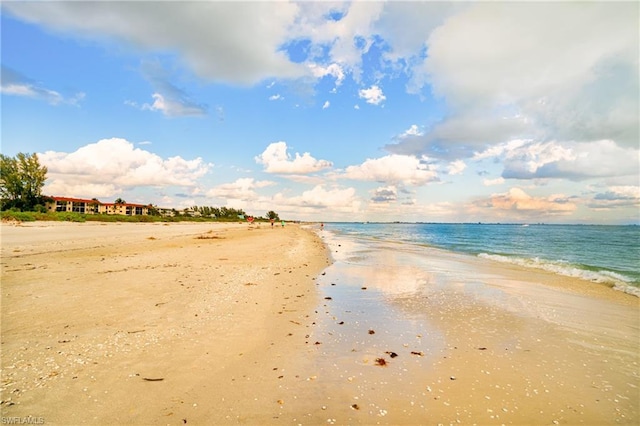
<point>94,206</point>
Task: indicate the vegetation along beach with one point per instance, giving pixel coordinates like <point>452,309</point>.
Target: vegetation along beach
<point>320,213</point>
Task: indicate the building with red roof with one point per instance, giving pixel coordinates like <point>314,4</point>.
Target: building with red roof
<point>94,206</point>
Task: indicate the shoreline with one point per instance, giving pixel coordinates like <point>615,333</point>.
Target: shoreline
<point>477,342</point>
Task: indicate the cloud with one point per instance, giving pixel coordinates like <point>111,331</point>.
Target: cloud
<point>570,160</point>
<point>456,167</point>
<point>276,160</point>
<point>517,204</point>
<point>338,42</point>
<point>243,189</point>
<point>406,26</point>
<point>491,182</point>
<point>385,194</point>
<point>512,71</point>
<point>173,108</point>
<point>14,83</point>
<point>414,130</point>
<point>276,97</point>
<point>326,105</point>
<point>616,197</point>
<point>334,70</point>
<point>372,95</point>
<point>110,166</point>
<point>459,136</point>
<point>340,199</point>
<point>393,169</point>
<point>170,100</point>
<point>220,41</point>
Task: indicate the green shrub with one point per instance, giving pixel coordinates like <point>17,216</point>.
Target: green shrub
<point>18,216</point>
<point>71,217</point>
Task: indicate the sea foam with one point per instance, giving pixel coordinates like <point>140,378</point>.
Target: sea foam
<point>618,281</point>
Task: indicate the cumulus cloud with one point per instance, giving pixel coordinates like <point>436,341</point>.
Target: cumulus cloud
<point>524,66</point>
<point>569,160</point>
<point>341,40</point>
<point>109,166</point>
<point>334,70</point>
<point>276,160</point>
<point>517,204</point>
<point>372,95</point>
<point>243,189</point>
<point>340,199</point>
<point>276,97</point>
<point>456,167</point>
<point>326,105</point>
<point>394,169</point>
<point>411,131</point>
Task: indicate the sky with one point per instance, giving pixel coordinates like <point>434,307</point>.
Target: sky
<point>332,111</point>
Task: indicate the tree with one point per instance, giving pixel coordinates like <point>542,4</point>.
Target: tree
<point>93,205</point>
<point>21,181</point>
<point>272,215</point>
<point>119,201</point>
<point>153,210</point>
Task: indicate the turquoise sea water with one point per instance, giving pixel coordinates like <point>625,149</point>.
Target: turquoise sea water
<point>597,253</point>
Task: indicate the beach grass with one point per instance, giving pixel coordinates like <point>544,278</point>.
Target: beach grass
<point>18,216</point>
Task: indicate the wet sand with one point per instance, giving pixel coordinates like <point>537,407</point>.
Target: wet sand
<point>216,324</point>
<point>469,341</point>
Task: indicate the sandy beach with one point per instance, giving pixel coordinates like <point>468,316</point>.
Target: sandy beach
<point>227,324</point>
<point>152,323</point>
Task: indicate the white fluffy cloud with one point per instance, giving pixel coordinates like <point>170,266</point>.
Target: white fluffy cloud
<point>340,199</point>
<point>567,85</point>
<point>393,169</point>
<point>243,189</point>
<point>110,166</point>
<point>276,160</point>
<point>372,95</point>
<point>333,70</point>
<point>456,167</point>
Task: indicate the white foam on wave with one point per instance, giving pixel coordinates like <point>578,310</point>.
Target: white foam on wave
<point>619,281</point>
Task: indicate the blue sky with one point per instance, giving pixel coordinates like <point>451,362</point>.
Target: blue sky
<point>416,111</point>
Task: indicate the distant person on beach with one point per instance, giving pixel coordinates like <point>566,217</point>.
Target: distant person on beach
<point>271,223</point>
<point>321,226</point>
<point>283,223</point>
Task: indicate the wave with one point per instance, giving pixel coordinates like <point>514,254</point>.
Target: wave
<point>617,281</point>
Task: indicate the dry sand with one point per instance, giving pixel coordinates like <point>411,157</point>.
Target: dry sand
<point>151,323</point>
<point>219,324</point>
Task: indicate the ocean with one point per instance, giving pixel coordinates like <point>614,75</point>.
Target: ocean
<point>594,253</point>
